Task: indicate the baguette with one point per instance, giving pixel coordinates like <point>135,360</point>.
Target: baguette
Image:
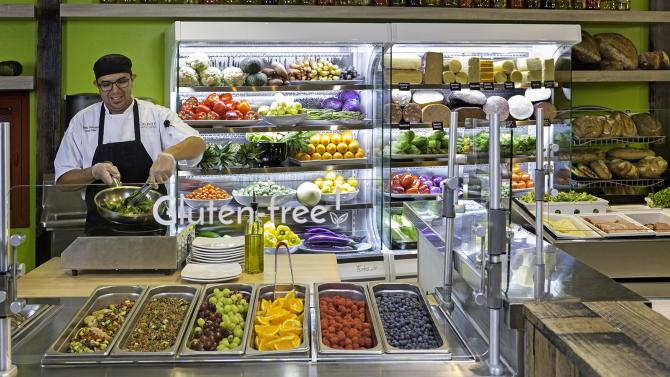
<point>630,154</point>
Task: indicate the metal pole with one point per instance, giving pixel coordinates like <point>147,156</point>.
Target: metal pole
<point>449,187</point>
<point>7,290</point>
<point>497,224</point>
<point>540,173</point>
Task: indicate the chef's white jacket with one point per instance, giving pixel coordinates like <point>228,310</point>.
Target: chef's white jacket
<point>81,138</point>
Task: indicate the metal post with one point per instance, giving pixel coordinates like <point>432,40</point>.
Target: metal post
<point>449,187</point>
<point>540,173</point>
<point>6,273</point>
<point>497,221</point>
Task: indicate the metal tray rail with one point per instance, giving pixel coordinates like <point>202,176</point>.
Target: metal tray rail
<point>354,291</point>
<point>185,353</point>
<point>414,289</point>
<point>30,312</point>
<point>118,355</point>
<point>100,298</point>
<point>302,352</point>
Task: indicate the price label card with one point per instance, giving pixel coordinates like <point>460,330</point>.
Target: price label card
<point>488,86</point>
<point>536,84</point>
<point>455,86</point>
<point>437,126</point>
<point>509,85</point>
<point>403,126</point>
<point>404,86</point>
<point>475,86</point>
<point>549,84</point>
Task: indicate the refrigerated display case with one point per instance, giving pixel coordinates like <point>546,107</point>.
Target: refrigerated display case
<point>333,68</point>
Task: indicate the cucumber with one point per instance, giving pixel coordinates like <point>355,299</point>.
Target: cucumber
<point>10,68</point>
<point>208,234</point>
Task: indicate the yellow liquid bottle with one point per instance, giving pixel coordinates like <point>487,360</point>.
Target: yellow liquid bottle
<point>253,243</point>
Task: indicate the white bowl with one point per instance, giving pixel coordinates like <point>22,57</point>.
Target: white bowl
<point>204,203</point>
<point>263,201</point>
<point>344,197</point>
<point>284,120</point>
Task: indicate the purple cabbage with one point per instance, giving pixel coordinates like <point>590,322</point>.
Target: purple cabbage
<point>435,190</point>
<point>352,105</point>
<point>437,180</point>
<point>332,103</point>
<point>349,95</point>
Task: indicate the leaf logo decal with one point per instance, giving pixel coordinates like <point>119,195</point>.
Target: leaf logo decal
<point>337,220</point>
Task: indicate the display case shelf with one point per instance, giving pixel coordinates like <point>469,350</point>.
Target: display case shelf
<point>321,86</point>
<point>210,129</point>
<point>313,13</point>
<point>17,83</point>
<point>17,11</point>
<point>579,142</point>
<point>496,86</point>
<point>620,76</point>
<point>513,123</point>
<point>577,184</point>
<point>278,169</point>
<point>468,160</point>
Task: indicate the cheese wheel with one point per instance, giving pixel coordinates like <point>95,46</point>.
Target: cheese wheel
<point>406,75</point>
<point>537,95</point>
<point>436,113</point>
<point>516,76</point>
<point>496,105</point>
<point>396,113</point>
<point>529,64</point>
<point>433,68</point>
<point>529,76</point>
<point>462,78</point>
<point>500,77</point>
<point>401,97</point>
<point>427,97</point>
<point>448,77</point>
<point>520,107</point>
<point>412,113</point>
<point>548,70</point>
<point>506,66</point>
<point>402,61</point>
<point>452,65</point>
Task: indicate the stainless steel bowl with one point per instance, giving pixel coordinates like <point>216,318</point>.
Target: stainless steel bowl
<point>119,193</point>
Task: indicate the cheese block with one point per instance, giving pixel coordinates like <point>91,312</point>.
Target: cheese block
<point>506,66</point>
<point>548,70</point>
<point>427,97</point>
<point>516,76</point>
<point>402,61</point>
<point>406,75</point>
<point>529,76</point>
<point>452,65</point>
<point>466,98</point>
<point>486,77</point>
<point>435,113</point>
<point>448,77</point>
<point>486,65</point>
<point>433,68</point>
<point>465,113</point>
<point>520,107</point>
<point>473,69</point>
<point>462,78</point>
<point>500,77</point>
<point>529,64</point>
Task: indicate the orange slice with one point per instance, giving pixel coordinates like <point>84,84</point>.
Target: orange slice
<point>296,306</point>
<point>266,331</point>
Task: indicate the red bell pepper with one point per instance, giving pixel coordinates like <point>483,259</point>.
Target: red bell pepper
<point>209,101</point>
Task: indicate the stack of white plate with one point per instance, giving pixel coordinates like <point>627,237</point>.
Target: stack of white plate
<point>211,273</point>
<point>217,250</point>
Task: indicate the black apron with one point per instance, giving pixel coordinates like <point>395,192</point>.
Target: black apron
<point>130,157</point>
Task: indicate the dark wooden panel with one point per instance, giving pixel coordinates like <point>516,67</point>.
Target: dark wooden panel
<point>659,92</point>
<point>16,105</point>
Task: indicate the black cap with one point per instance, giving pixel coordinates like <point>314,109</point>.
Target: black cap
<point>112,63</point>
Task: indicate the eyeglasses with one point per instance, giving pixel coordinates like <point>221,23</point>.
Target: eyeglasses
<point>121,83</point>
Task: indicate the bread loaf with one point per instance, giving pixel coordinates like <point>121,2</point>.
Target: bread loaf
<point>611,129</point>
<point>588,126</point>
<point>586,51</point>
<point>600,168</point>
<point>647,125</point>
<point>402,61</point>
<point>616,47</point>
<point>652,167</point>
<point>650,60</point>
<point>627,125</point>
<point>506,66</point>
<point>611,65</point>
<point>623,169</point>
<point>448,77</point>
<point>433,68</point>
<point>631,154</point>
<point>452,65</point>
<point>406,75</point>
<point>584,156</point>
<point>586,172</point>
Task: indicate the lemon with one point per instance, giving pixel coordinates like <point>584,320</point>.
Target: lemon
<point>352,182</point>
<point>346,186</point>
<point>331,148</point>
<point>351,189</point>
<point>327,156</point>
<point>316,181</point>
<point>325,139</point>
<point>326,189</point>
<point>317,156</point>
<point>337,156</point>
<point>269,240</point>
<point>320,148</point>
<point>359,154</point>
<point>303,157</point>
<point>346,155</point>
<point>347,137</point>
<point>260,320</point>
<point>331,176</point>
<point>315,139</point>
<point>353,146</point>
<point>328,183</point>
<point>311,148</point>
<point>342,147</point>
<point>336,139</point>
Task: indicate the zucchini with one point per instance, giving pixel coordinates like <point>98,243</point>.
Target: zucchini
<point>208,234</point>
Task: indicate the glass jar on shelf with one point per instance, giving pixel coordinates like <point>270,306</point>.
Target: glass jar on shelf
<point>548,4</point>
<point>482,3</point>
<point>593,4</point>
<point>608,5</point>
<point>498,3</point>
<point>515,4</point>
<point>563,4</point>
<point>623,5</point>
<point>533,4</point>
<point>466,3</point>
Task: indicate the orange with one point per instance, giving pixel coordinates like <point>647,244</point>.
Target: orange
<point>317,156</point>
<point>325,139</point>
<point>320,148</point>
<point>348,155</point>
<point>336,139</point>
<point>311,148</point>
<point>266,331</point>
<point>353,146</point>
<point>315,139</point>
<point>347,137</point>
<point>296,306</point>
<point>337,156</point>
<point>331,148</point>
<point>359,154</point>
<point>327,156</point>
<point>342,147</point>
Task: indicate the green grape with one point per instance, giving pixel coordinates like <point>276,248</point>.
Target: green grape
<point>217,291</point>
<point>221,347</point>
<point>201,322</point>
<point>212,300</point>
<point>225,342</point>
<point>227,301</point>
<point>240,308</point>
<point>226,292</point>
<point>233,308</point>
<point>227,308</point>
<point>238,332</point>
<point>198,329</point>
<point>230,338</point>
<point>237,341</point>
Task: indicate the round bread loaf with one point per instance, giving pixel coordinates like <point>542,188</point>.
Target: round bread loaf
<point>623,169</point>
<point>588,126</point>
<point>611,65</point>
<point>628,128</point>
<point>611,129</point>
<point>632,154</point>
<point>647,125</point>
<point>587,50</point>
<point>652,167</point>
<point>600,168</point>
<point>616,47</point>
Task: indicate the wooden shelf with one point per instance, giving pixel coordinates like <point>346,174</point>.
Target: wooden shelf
<point>17,11</point>
<point>17,83</point>
<point>312,13</point>
<point>620,76</point>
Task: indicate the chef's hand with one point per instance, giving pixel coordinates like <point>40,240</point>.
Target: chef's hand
<point>162,169</point>
<point>105,172</point>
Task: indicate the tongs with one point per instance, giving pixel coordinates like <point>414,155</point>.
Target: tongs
<point>135,197</point>
<point>290,266</point>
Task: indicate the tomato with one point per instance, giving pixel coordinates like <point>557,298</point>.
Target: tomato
<point>232,115</point>
<point>406,181</point>
<point>243,106</point>
<point>219,108</point>
<point>225,97</point>
<point>209,101</point>
<point>251,115</point>
<point>191,103</point>
<point>202,109</point>
<point>186,114</point>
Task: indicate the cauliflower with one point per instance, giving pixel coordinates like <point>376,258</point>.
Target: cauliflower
<point>233,76</point>
<point>211,76</point>
<point>188,77</point>
<point>198,61</point>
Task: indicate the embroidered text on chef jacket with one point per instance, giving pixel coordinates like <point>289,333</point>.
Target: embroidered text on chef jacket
<point>81,138</point>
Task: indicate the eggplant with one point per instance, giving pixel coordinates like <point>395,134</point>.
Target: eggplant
<point>323,231</point>
<point>323,240</point>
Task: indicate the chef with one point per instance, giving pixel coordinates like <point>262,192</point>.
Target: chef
<point>121,138</point>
